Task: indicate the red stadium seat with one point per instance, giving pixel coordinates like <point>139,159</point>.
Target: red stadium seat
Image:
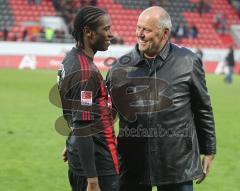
<point>124,19</point>
<point>22,12</point>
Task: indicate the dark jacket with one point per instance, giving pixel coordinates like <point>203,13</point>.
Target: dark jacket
<point>230,58</point>
<point>165,116</point>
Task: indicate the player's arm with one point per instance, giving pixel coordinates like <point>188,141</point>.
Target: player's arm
<point>64,154</point>
<point>81,136</point>
<point>85,151</point>
<point>72,86</point>
<point>93,184</point>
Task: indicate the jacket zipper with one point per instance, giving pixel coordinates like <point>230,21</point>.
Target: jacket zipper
<point>148,122</point>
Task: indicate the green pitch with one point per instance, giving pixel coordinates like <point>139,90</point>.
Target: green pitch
<point>30,155</point>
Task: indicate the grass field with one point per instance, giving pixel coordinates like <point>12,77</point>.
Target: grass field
<point>30,147</point>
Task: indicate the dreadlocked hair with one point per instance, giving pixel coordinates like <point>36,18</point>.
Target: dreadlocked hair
<point>86,16</point>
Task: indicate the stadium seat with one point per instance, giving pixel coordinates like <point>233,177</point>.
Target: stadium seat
<point>22,12</point>
<point>124,15</point>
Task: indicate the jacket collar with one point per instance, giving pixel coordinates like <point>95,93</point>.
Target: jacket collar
<point>162,54</point>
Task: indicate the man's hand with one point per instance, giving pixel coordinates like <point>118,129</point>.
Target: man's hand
<point>93,184</point>
<point>64,154</point>
<point>206,164</point>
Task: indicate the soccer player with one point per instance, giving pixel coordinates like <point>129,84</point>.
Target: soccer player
<point>90,147</point>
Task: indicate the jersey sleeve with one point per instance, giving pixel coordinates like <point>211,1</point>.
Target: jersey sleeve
<point>77,90</point>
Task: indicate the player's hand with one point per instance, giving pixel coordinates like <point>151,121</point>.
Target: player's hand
<point>93,184</point>
<point>64,154</point>
<point>206,164</point>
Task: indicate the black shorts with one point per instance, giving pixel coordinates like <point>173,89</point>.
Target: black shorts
<point>106,183</point>
<point>185,186</point>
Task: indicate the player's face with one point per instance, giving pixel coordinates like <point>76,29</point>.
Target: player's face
<point>103,34</point>
<point>150,36</point>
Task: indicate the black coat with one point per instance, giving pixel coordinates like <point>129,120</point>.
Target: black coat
<point>230,58</point>
<point>165,116</point>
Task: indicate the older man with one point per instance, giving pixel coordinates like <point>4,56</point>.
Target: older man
<point>165,114</point>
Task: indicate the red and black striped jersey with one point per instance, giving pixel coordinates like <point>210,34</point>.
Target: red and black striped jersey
<point>91,144</point>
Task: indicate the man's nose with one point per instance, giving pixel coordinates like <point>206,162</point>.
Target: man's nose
<point>141,33</point>
<point>110,35</point>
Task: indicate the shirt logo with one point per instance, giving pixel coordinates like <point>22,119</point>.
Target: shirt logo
<point>86,97</point>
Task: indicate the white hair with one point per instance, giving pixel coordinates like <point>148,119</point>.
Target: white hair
<point>165,21</point>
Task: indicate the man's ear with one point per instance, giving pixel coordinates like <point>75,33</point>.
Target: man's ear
<point>167,33</point>
<point>87,31</point>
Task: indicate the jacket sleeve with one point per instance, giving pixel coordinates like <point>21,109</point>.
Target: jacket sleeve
<point>108,82</point>
<point>202,110</point>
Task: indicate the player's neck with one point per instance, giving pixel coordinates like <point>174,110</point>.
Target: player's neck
<point>88,52</point>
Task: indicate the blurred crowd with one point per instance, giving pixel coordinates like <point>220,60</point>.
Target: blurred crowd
<point>184,31</point>
<point>236,5</point>
<point>220,23</point>
<point>34,2</point>
<point>204,6</point>
<point>35,34</point>
<point>67,9</point>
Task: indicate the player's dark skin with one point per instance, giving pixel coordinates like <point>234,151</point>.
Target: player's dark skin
<point>98,40</point>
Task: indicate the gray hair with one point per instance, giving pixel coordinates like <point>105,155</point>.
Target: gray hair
<point>165,21</point>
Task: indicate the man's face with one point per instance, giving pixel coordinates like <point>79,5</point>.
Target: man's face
<point>102,35</point>
<point>150,36</point>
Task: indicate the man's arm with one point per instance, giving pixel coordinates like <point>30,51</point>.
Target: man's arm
<point>108,83</point>
<point>206,164</point>
<point>203,116</point>
<point>202,110</point>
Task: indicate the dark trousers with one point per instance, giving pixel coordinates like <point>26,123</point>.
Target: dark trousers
<point>106,183</point>
<point>228,77</point>
<point>185,186</point>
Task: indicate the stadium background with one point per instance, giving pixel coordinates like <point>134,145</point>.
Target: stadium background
<point>35,37</point>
